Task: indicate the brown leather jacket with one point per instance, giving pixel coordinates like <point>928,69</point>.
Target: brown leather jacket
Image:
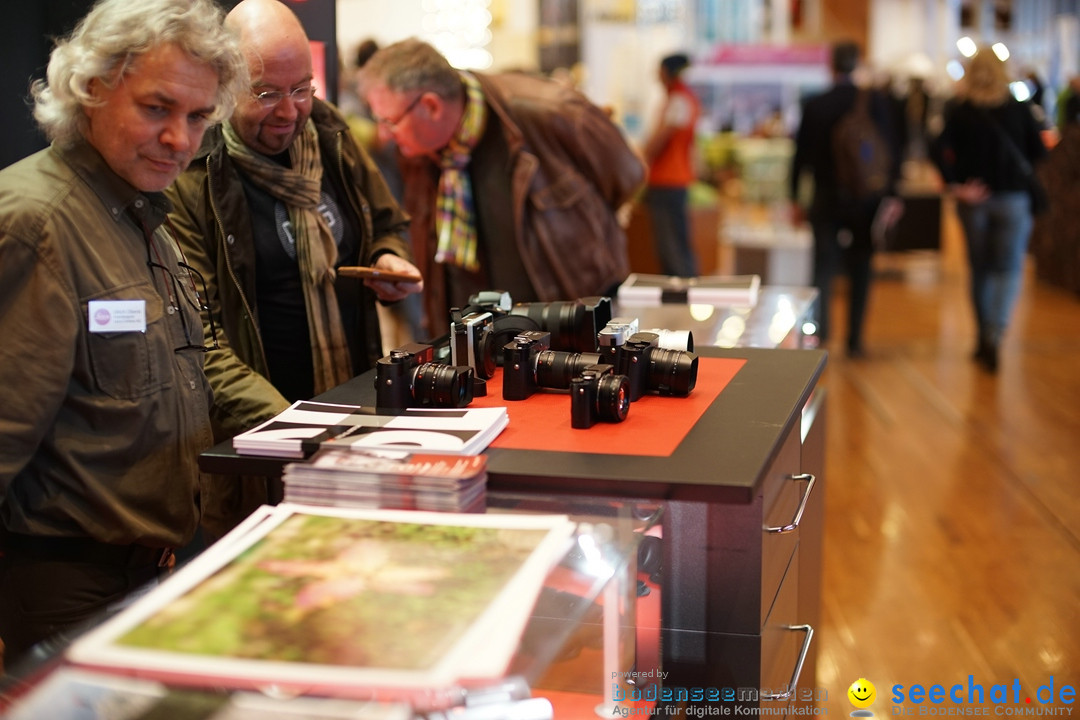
<point>568,169</point>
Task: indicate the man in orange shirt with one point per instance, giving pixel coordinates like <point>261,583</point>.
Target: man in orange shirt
<point>669,152</point>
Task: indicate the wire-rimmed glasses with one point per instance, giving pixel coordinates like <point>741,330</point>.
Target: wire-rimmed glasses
<point>270,98</point>
<point>391,124</point>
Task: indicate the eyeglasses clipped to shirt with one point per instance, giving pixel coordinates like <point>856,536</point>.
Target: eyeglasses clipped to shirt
<point>271,98</point>
<point>178,289</point>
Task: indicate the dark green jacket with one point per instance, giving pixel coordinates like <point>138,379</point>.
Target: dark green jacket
<point>211,217</point>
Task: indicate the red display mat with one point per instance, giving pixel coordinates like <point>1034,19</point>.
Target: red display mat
<point>654,425</point>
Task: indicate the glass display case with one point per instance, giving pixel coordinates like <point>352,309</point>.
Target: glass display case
<point>579,646</point>
<point>779,319</point>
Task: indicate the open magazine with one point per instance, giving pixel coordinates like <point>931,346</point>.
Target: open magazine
<point>343,602</point>
<point>307,426</point>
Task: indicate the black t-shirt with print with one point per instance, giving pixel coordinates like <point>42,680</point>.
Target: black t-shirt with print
<point>279,297</point>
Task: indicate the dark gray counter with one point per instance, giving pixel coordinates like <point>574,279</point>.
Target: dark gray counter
<point>721,459</point>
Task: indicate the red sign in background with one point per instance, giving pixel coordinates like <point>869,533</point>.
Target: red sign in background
<point>654,425</point>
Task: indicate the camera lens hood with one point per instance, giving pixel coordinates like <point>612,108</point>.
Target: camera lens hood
<point>672,372</point>
<point>442,386</point>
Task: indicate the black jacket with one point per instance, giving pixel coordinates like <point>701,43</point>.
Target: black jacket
<point>972,144</point>
<point>813,140</point>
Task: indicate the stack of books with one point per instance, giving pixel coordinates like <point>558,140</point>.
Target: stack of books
<point>306,427</point>
<point>388,479</point>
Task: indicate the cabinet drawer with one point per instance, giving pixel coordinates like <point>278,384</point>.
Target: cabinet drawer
<point>782,492</point>
<point>785,645</point>
<point>779,647</point>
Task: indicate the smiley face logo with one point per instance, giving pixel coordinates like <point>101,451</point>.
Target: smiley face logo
<point>862,695</point>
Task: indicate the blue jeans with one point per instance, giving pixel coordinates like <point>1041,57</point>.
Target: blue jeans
<point>997,233</point>
<point>671,230</point>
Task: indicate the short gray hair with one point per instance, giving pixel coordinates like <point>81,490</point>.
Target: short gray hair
<point>112,35</point>
<point>411,64</point>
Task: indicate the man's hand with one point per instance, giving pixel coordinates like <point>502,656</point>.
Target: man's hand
<point>890,211</point>
<point>971,192</point>
<point>394,291</point>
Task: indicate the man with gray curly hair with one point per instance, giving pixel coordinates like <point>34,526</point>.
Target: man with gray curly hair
<point>107,407</point>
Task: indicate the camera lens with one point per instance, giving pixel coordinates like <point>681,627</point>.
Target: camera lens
<point>556,368</point>
<point>486,351</point>
<point>442,385</point>
<point>612,398</point>
<point>563,319</point>
<point>672,372</point>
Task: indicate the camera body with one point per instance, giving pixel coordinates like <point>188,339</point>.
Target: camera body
<point>471,340</point>
<point>519,363</point>
<point>573,324</point>
<point>407,377</point>
<point>651,368</point>
<point>620,329</point>
<point>598,394</point>
<point>614,335</point>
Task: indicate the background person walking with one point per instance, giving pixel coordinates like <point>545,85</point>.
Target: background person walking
<point>986,154</point>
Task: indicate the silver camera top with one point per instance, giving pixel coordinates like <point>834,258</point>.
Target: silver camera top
<point>494,299</point>
<point>469,342</point>
<point>617,331</point>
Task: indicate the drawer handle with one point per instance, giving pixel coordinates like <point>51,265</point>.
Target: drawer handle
<point>794,524</point>
<point>786,695</point>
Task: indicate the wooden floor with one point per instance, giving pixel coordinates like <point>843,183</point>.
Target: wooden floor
<point>952,541</point>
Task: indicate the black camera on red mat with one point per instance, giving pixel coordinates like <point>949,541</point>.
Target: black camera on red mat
<point>598,394</point>
<point>519,363</point>
<point>653,369</point>
<point>407,377</point>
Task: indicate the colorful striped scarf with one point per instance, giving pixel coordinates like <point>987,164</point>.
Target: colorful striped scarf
<point>454,208</point>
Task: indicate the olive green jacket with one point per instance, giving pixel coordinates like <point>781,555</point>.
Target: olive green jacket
<point>212,219</point>
<point>100,432</point>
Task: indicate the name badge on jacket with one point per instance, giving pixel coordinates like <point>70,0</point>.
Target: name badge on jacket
<point>118,316</point>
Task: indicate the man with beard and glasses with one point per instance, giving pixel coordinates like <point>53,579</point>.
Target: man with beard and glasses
<point>278,198</point>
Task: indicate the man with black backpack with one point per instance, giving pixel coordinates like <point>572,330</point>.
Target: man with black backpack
<point>846,139</point>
